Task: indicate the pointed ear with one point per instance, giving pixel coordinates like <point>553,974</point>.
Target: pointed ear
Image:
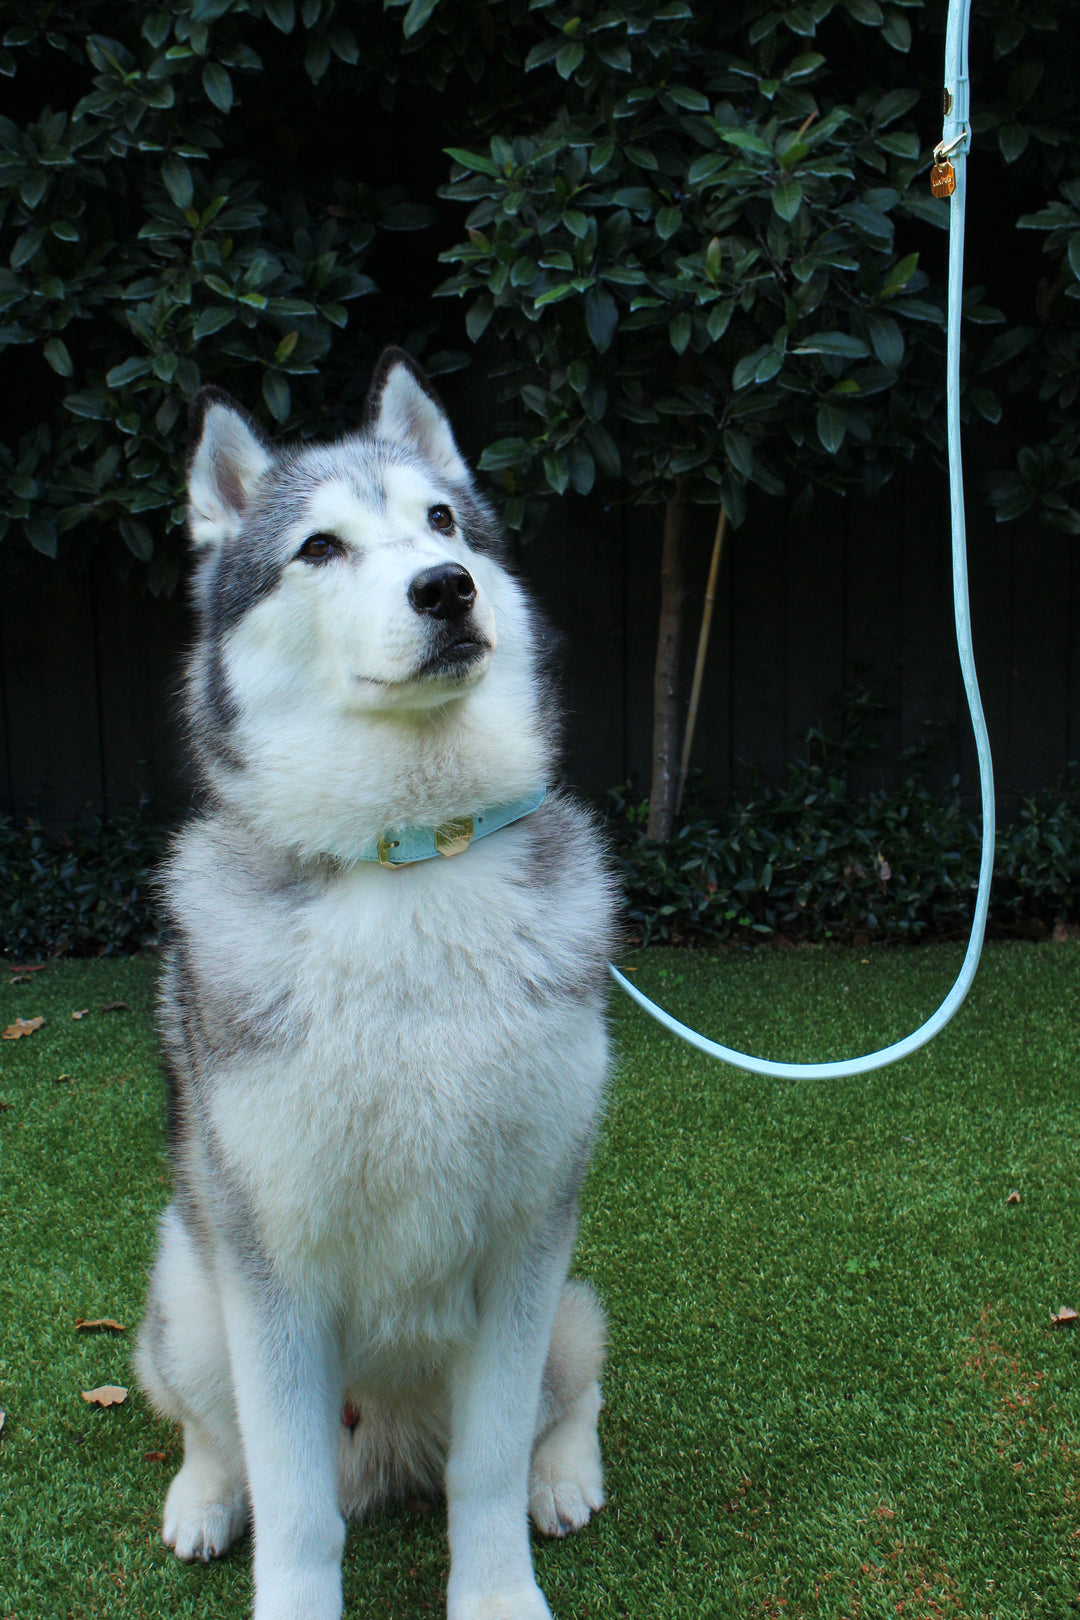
<point>228,456</point>
<point>403,408</point>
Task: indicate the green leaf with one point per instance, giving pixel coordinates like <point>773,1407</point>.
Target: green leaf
<point>747,366</point>
<point>703,168</point>
<point>1012,141</point>
<point>569,59</point>
<point>502,454</point>
<point>680,329</point>
<point>986,403</point>
<point>601,317</point>
<point>275,391</point>
<point>887,338</point>
<point>128,371</point>
<point>416,16</point>
<point>803,66</point>
<point>831,427</point>
<point>56,353</point>
<point>218,86</point>
<point>94,406</point>
<point>282,13</point>
<point>668,221</point>
<point>719,317</point>
<point>894,104</point>
<point>1073,254</point>
<point>582,467</point>
<point>897,30</point>
<point>474,161</point>
<point>42,535</point>
<point>842,343</point>
<point>745,141</point>
<point>867,12</point>
<point>692,100</point>
<point>26,246</point>
<point>178,182</point>
<point>787,197</point>
<point>899,276</point>
<point>476,321</point>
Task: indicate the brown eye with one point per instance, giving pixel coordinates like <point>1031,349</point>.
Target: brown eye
<point>320,548</point>
<point>441,518</point>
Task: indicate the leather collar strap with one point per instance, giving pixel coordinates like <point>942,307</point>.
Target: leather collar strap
<point>403,845</point>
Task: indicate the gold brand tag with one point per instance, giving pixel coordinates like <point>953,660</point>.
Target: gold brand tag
<point>943,179</point>
<point>454,836</point>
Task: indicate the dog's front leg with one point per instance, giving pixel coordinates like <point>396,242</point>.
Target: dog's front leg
<point>286,1376</point>
<point>495,1398</point>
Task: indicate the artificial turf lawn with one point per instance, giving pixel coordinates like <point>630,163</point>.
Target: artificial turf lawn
<point>833,1388</point>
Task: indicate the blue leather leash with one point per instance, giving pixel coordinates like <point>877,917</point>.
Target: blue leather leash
<point>948,179</point>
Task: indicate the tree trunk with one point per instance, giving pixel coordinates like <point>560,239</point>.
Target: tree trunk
<point>665,773</point>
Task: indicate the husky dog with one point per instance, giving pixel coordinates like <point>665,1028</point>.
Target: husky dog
<point>383,1022</point>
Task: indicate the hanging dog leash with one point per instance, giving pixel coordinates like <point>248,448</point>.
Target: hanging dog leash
<point>947,180</point>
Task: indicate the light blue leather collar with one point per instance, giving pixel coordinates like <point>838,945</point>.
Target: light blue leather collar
<point>404,845</point>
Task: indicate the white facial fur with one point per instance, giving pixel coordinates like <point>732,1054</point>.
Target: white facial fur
<point>339,725</point>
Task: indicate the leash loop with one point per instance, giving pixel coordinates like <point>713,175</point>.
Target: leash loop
<point>950,153</point>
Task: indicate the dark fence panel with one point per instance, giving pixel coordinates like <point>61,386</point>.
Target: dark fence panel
<point>856,594</point>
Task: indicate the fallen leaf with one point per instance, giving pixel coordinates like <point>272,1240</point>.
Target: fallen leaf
<point>21,1027</point>
<point>29,967</point>
<point>81,1014</point>
<point>1063,1316</point>
<point>107,1395</point>
<point>21,978</point>
<point>1014,1197</point>
<point>154,1456</point>
<point>3,1415</point>
<point>115,1006</point>
<point>86,1326</point>
<point>62,1079</point>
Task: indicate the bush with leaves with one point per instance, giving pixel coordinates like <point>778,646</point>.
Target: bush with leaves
<point>693,269</point>
<point>811,862</point>
<point>176,222</point>
<point>84,891</point>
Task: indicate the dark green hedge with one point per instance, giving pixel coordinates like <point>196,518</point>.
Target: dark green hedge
<point>810,862</point>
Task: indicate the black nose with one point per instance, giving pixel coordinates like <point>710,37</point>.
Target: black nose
<point>445,591</point>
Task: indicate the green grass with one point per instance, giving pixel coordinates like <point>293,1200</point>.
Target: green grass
<point>833,1388</point>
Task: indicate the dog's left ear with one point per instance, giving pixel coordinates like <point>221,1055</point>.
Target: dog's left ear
<point>403,407</point>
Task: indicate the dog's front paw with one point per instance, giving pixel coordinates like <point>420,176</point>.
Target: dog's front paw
<point>202,1520</point>
<point>566,1482</point>
<point>520,1603</point>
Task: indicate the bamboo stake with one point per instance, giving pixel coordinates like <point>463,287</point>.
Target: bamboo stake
<point>702,648</point>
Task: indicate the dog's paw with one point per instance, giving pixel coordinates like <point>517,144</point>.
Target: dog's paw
<point>566,1484</point>
<point>522,1603</point>
<point>201,1520</point>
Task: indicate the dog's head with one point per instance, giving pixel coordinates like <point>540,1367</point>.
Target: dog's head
<point>354,613</point>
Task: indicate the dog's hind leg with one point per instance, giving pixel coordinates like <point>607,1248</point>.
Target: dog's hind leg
<point>566,1480</point>
<point>182,1363</point>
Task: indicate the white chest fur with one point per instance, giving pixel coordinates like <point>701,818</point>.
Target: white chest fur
<point>433,1077</point>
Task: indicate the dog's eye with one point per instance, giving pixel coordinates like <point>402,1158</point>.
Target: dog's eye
<point>441,518</point>
<point>320,548</point>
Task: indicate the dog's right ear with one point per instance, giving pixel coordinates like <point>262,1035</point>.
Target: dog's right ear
<point>227,457</point>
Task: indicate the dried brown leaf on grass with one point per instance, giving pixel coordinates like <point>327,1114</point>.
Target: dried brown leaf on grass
<point>1063,1316</point>
<point>87,1325</point>
<point>81,1014</point>
<point>1014,1196</point>
<point>107,1395</point>
<point>21,1027</point>
<point>115,1006</point>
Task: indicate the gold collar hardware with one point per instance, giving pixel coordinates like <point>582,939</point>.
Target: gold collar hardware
<point>454,836</point>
